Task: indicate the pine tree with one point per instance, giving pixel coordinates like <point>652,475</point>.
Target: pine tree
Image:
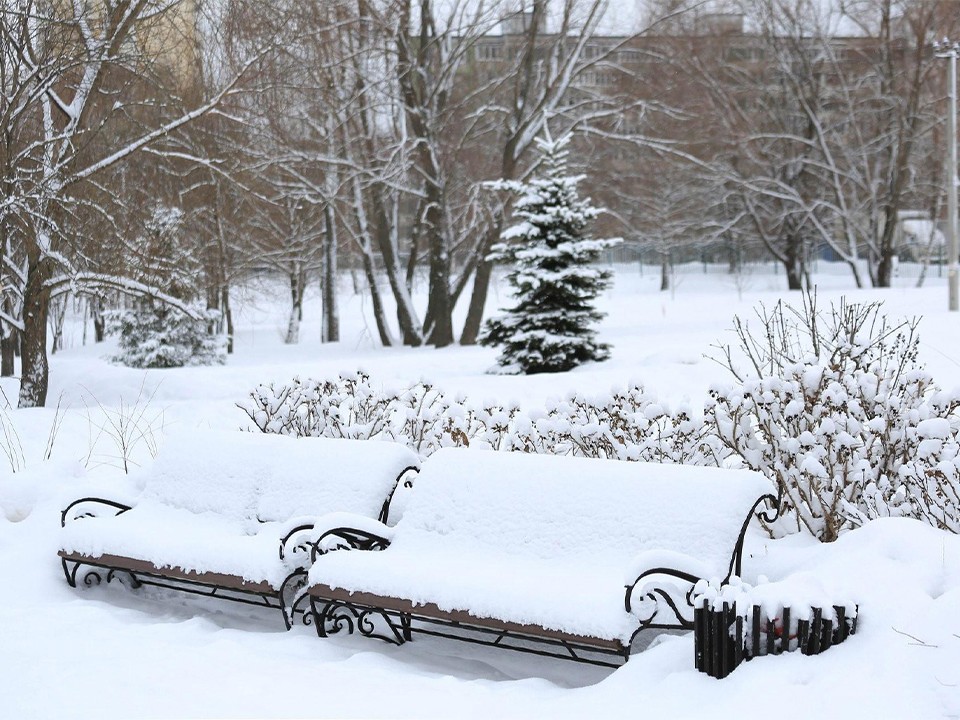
<point>549,329</point>
<point>154,334</point>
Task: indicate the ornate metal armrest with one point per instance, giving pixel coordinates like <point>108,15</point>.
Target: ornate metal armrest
<point>298,540</point>
<point>118,506</point>
<point>333,531</point>
<point>767,508</point>
<point>675,598</point>
<point>345,538</point>
<point>404,479</point>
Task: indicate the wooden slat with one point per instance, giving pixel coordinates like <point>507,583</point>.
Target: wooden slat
<point>432,611</point>
<point>226,581</point>
<point>785,636</point>
<point>756,631</point>
<point>816,631</point>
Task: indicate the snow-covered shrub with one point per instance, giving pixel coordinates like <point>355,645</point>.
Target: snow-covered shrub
<point>830,407</point>
<point>553,273</point>
<point>932,478</point>
<point>626,425</point>
<point>347,407</point>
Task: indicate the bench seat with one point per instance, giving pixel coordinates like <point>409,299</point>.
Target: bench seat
<point>575,597</point>
<point>554,545</point>
<point>171,537</point>
<point>216,507</point>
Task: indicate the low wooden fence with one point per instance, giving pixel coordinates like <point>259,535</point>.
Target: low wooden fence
<point>725,637</point>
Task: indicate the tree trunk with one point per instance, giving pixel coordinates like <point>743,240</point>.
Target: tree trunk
<point>794,276</point>
<point>35,372</point>
<point>439,307</point>
<point>8,344</point>
<point>227,316</point>
<point>330,324</point>
<point>297,281</point>
<point>9,340</point>
<point>665,272</point>
<point>379,313</point>
<point>887,255</point>
<point>481,286</point>
<point>57,311</point>
<point>481,280</point>
<point>384,228</point>
<point>793,262</point>
<point>99,321</point>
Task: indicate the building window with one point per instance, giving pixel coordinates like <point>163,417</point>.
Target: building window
<point>489,52</point>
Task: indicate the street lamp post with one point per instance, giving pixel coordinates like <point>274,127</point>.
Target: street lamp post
<point>950,50</point>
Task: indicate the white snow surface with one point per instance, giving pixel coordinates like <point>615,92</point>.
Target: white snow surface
<point>219,500</point>
<point>106,652</point>
<point>566,531</point>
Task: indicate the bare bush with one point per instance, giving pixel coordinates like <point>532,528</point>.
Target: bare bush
<point>828,405</point>
<point>626,425</point>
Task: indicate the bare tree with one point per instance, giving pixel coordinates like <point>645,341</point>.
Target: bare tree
<point>81,97</point>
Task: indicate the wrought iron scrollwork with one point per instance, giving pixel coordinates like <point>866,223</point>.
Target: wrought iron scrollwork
<point>124,577</point>
<point>680,605</point>
<point>70,573</point>
<point>296,541</point>
<point>118,506</point>
<point>336,616</point>
<point>768,514</point>
<point>407,483</point>
<point>664,595</point>
<point>347,538</point>
<point>292,594</point>
<point>94,575</point>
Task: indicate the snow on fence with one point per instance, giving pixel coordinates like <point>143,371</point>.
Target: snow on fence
<point>734,623</point>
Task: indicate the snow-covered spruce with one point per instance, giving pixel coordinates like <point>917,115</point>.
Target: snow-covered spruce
<point>154,333</point>
<point>549,328</point>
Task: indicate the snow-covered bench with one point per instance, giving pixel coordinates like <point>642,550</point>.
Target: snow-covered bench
<point>229,514</point>
<point>507,548</point>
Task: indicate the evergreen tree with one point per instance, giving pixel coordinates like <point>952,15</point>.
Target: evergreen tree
<point>154,334</point>
<point>549,329</point>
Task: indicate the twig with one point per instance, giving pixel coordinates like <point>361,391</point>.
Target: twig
<point>919,642</point>
<point>54,429</point>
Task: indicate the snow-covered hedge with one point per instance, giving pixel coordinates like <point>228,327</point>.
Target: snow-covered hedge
<point>833,407</point>
<point>625,425</point>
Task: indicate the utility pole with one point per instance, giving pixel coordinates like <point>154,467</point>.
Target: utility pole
<point>949,51</point>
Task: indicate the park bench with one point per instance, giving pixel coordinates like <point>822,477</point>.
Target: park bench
<point>229,514</point>
<point>559,556</point>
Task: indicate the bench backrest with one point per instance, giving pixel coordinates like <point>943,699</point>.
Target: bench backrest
<point>254,476</point>
<point>600,511</point>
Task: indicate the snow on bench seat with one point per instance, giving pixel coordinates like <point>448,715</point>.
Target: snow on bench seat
<point>544,540</point>
<point>220,501</point>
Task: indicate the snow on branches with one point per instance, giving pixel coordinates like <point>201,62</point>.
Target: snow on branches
<point>833,407</point>
<point>156,333</point>
<point>625,425</point>
<point>552,272</point>
<point>836,409</point>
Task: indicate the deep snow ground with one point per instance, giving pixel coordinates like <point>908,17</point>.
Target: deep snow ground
<point>105,652</point>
